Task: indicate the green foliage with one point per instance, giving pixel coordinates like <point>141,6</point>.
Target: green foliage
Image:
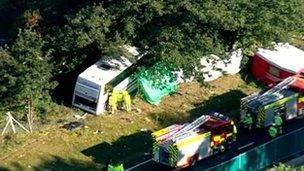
<point>283,167</point>
<point>7,80</point>
<point>89,25</point>
<point>160,73</point>
<point>181,32</point>
<point>7,76</point>
<point>32,69</point>
<point>177,33</point>
<point>85,37</point>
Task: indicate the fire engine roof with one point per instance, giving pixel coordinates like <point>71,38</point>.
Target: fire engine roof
<point>215,122</point>
<point>284,56</point>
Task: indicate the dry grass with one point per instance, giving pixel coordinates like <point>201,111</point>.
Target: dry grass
<point>119,136</point>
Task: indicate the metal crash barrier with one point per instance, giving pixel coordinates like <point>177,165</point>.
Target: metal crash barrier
<point>266,154</point>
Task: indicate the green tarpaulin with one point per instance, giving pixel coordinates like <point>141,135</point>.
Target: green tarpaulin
<point>154,88</point>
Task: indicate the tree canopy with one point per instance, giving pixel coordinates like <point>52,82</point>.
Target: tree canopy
<point>59,37</point>
<point>181,32</point>
<point>25,72</point>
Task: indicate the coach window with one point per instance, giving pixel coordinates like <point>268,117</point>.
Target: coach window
<point>274,71</point>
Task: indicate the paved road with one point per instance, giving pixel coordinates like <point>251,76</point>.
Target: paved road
<point>246,140</point>
<point>296,162</point>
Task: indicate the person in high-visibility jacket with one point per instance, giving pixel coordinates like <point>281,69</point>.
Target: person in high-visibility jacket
<point>127,101</point>
<point>278,122</point>
<point>276,127</point>
<point>248,121</point>
<point>120,99</point>
<point>234,131</point>
<point>113,102</point>
<point>118,167</point>
<point>273,131</point>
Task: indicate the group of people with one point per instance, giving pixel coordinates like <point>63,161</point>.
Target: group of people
<point>273,131</point>
<point>119,99</point>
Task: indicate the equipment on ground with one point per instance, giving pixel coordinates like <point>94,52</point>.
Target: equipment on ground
<point>183,145</point>
<point>72,126</point>
<point>285,101</point>
<point>10,120</point>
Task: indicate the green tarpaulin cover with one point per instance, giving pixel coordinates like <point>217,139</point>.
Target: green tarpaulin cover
<point>154,87</point>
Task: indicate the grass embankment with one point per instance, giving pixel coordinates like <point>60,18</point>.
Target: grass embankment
<point>119,137</point>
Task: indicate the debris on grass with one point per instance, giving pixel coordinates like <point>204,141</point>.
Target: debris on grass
<point>145,129</point>
<point>98,132</point>
<point>148,120</point>
<point>72,126</point>
<point>138,110</point>
<point>78,117</point>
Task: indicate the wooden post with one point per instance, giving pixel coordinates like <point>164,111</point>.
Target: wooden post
<point>12,124</point>
<point>7,123</point>
<point>29,115</point>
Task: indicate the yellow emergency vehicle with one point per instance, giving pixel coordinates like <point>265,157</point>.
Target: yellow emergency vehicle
<point>183,145</point>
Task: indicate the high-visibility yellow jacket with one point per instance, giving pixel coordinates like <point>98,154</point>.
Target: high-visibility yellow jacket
<point>116,168</point>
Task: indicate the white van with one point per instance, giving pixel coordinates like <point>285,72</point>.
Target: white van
<point>90,90</point>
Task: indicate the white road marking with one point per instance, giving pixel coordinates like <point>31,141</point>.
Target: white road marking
<point>142,163</point>
<point>247,145</point>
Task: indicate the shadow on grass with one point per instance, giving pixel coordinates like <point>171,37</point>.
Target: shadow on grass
<point>125,150</point>
<point>166,119</point>
<point>57,164</point>
<point>227,103</point>
<point>128,150</point>
<point>3,169</point>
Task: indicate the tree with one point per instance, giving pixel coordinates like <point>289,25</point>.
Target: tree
<point>175,33</point>
<point>7,77</point>
<point>85,36</point>
<point>180,32</point>
<point>32,68</point>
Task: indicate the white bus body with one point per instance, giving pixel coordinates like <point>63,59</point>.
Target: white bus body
<point>90,94</point>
